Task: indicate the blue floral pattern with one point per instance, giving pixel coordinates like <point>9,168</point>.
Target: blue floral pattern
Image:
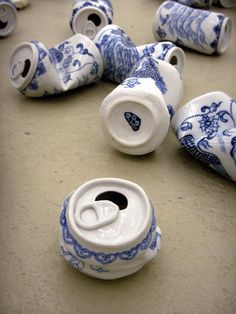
<point>133,120</point>
<point>213,122</point>
<point>100,257</point>
<point>195,3</point>
<point>66,62</point>
<point>184,25</point>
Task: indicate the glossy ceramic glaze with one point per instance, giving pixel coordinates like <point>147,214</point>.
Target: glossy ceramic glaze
<point>37,71</point>
<point>20,4</point>
<point>88,17</point>
<point>108,228</point>
<point>196,3</point>
<point>135,116</point>
<point>201,30</point>
<point>206,127</point>
<point>120,54</point>
<point>8,17</point>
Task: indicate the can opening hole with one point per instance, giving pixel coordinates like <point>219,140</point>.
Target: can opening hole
<point>95,19</point>
<point>26,68</point>
<point>3,24</point>
<point>115,197</point>
<point>173,60</point>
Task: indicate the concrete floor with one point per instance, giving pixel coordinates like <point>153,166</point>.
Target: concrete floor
<point>51,146</point>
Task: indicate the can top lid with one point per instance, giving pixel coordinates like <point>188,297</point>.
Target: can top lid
<point>22,65</point>
<point>109,212</point>
<point>8,18</point>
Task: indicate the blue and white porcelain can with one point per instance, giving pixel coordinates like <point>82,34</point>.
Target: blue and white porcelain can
<point>225,3</point>
<point>201,30</point>
<point>108,228</point>
<point>37,71</point>
<point>88,17</point>
<point>206,128</point>
<point>120,54</point>
<point>196,3</point>
<point>8,17</point>
<point>135,116</point>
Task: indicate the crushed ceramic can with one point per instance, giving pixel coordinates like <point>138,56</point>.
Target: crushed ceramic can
<point>195,3</point>
<point>37,71</point>
<point>206,128</point>
<point>120,54</point>
<point>135,116</point>
<point>108,228</point>
<point>8,17</point>
<point>201,30</point>
<point>89,17</point>
<point>225,3</point>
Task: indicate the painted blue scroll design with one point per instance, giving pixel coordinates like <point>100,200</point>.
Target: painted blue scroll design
<point>101,257</point>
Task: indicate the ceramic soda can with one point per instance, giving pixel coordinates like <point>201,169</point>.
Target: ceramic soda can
<point>37,71</point>
<point>21,4</point>
<point>135,116</point>
<point>88,17</point>
<point>225,3</point>
<point>206,128</point>
<point>108,228</point>
<point>196,3</point>
<point>201,30</point>
<point>120,54</point>
<point>8,17</point>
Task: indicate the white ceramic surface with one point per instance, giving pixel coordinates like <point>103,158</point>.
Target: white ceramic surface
<point>21,4</point>
<point>89,17</point>
<point>196,3</point>
<point>206,127</point>
<point>8,17</point>
<point>37,71</point>
<point>201,30</point>
<point>108,228</point>
<point>225,3</point>
<point>135,116</point>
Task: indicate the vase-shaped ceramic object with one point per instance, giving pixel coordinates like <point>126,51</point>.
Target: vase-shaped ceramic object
<point>195,3</point>
<point>108,228</point>
<point>88,17</point>
<point>37,71</point>
<point>120,54</point>
<point>225,3</point>
<point>135,116</point>
<point>201,30</point>
<point>206,127</point>
<point>8,17</point>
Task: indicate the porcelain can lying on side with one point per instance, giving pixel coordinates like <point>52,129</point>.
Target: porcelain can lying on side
<point>201,30</point>
<point>225,3</point>
<point>206,128</point>
<point>135,116</point>
<point>37,71</point>
<point>120,54</point>
<point>195,3</point>
<point>88,17</point>
<point>108,228</point>
<point>8,17</point>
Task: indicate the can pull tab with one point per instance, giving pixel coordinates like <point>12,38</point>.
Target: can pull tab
<point>17,69</point>
<point>3,13</point>
<point>96,214</point>
<point>90,29</point>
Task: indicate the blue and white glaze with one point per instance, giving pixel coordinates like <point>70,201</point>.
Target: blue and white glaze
<point>201,30</point>
<point>135,116</point>
<point>206,127</point>
<point>81,21</point>
<point>195,3</point>
<point>8,17</point>
<point>120,54</point>
<point>73,63</point>
<point>107,262</point>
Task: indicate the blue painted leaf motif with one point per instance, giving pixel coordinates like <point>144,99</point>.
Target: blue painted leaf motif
<point>55,55</point>
<point>133,120</point>
<point>130,83</point>
<point>233,150</point>
<point>62,45</point>
<point>73,260</point>
<point>98,269</point>
<point>94,68</point>
<point>185,126</point>
<point>204,143</point>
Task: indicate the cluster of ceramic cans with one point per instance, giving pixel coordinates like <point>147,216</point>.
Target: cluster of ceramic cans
<point>108,226</point>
